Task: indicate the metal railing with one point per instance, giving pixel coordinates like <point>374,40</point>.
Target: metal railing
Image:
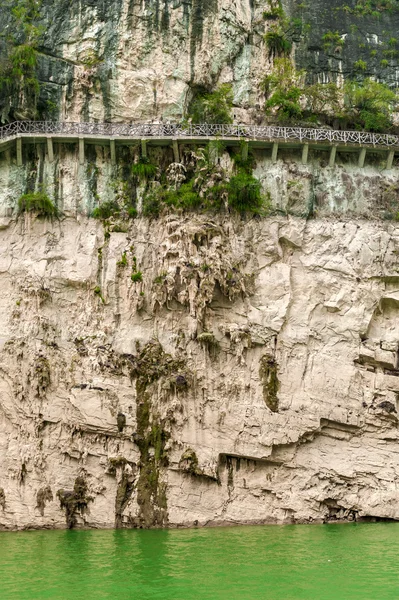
<point>160,130</point>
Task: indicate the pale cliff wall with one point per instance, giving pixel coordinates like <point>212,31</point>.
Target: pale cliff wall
<point>256,361</point>
<point>122,60</point>
<point>125,60</point>
<point>256,365</point>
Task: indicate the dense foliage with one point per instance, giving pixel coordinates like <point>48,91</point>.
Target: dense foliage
<point>38,203</point>
<point>369,105</point>
<point>244,193</point>
<point>143,169</point>
<point>212,107</point>
<point>365,105</point>
<point>19,84</point>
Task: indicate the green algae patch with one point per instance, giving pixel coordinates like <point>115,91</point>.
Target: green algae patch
<point>152,366</point>
<point>123,494</point>
<point>43,496</point>
<point>75,501</point>
<point>189,462</point>
<point>268,375</point>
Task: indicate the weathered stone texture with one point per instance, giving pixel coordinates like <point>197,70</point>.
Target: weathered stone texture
<point>318,299</point>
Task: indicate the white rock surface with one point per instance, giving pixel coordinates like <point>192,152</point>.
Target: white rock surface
<point>319,298</point>
<point>156,54</point>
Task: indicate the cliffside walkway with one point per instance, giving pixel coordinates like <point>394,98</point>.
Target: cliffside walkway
<point>112,134</point>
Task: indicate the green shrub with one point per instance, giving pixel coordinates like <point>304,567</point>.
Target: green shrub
<point>106,210</point>
<point>151,204</point>
<point>244,164</point>
<point>215,196</point>
<point>184,198</point>
<point>283,89</point>
<point>332,41</point>
<point>323,98</point>
<point>97,291</point>
<point>159,279</point>
<point>244,193</point>
<point>275,13</point>
<point>38,203</point>
<point>123,261</point>
<point>212,107</point>
<point>287,103</point>
<point>374,8</point>
<point>277,42</point>
<point>132,212</point>
<point>370,105</point>
<point>360,65</point>
<point>144,169</point>
<point>137,277</point>
<point>19,82</point>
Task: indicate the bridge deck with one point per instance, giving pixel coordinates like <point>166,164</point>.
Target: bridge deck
<point>113,134</point>
<point>31,138</point>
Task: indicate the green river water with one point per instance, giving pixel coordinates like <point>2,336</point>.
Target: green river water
<point>320,562</point>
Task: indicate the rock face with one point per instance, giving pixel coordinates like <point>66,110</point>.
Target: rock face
<point>134,60</point>
<point>255,363</point>
<point>197,369</point>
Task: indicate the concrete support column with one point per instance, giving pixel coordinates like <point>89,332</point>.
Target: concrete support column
<point>305,153</point>
<point>144,148</point>
<point>81,151</point>
<point>362,158</point>
<point>274,152</point>
<point>19,152</point>
<point>176,153</point>
<point>113,152</point>
<point>333,154</point>
<point>213,152</point>
<point>244,150</point>
<point>50,149</point>
<point>391,156</point>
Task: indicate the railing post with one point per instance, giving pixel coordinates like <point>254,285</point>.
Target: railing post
<point>50,149</point>
<point>81,151</point>
<point>391,156</point>
<point>113,151</point>
<point>333,154</point>
<point>274,152</point>
<point>176,153</point>
<point>244,150</point>
<point>19,152</point>
<point>362,157</point>
<point>305,152</point>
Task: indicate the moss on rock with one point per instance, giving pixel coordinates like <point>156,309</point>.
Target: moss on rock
<point>152,365</point>
<point>268,374</point>
<point>43,495</point>
<point>74,501</point>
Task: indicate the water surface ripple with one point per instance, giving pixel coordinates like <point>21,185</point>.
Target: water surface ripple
<point>326,562</point>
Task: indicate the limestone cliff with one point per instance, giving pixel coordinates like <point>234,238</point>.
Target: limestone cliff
<point>254,365</point>
<point>135,60</point>
<point>194,368</point>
